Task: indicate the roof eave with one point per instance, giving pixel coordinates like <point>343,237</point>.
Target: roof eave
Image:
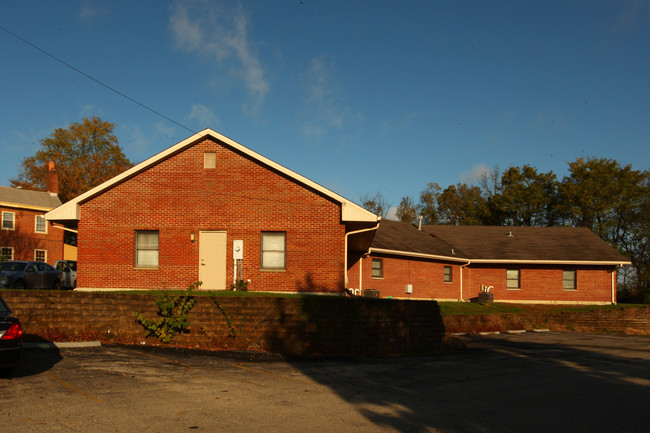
<point>350,211</point>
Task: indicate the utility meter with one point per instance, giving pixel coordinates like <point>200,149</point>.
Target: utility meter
<point>238,250</point>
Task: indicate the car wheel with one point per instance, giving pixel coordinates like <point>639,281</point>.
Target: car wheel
<point>19,285</point>
<point>57,285</point>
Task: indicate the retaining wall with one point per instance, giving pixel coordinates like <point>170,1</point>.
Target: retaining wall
<point>327,325</point>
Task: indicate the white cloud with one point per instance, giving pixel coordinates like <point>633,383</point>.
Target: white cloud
<point>220,32</point>
<point>329,109</point>
<point>203,115</point>
<point>472,176</point>
<point>90,10</point>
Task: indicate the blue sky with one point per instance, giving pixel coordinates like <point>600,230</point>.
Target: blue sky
<point>359,96</point>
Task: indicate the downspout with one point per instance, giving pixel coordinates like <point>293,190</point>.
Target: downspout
<point>345,261</point>
<point>461,279</point>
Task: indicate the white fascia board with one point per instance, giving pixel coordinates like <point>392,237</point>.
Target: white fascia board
<point>418,255</point>
<point>498,261</point>
<point>553,262</point>
<point>21,206</point>
<point>350,211</point>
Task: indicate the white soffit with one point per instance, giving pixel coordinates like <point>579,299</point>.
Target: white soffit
<point>350,211</point>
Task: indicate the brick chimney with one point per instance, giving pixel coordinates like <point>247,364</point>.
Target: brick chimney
<point>52,179</point>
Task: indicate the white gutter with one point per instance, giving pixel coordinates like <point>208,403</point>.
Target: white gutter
<point>420,255</point>
<point>461,279</point>
<point>551,262</point>
<point>345,261</point>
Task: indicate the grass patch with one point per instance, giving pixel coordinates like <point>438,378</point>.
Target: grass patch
<point>478,308</point>
<point>473,308</point>
<point>210,293</point>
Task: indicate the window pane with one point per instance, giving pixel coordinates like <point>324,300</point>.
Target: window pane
<point>40,255</point>
<point>512,278</point>
<point>377,268</point>
<point>569,280</point>
<point>8,220</point>
<point>274,250</point>
<point>273,259</point>
<point>147,258</point>
<point>447,277</point>
<point>146,245</point>
<point>40,223</point>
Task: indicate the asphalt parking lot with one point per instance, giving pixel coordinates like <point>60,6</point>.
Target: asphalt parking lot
<point>533,382</point>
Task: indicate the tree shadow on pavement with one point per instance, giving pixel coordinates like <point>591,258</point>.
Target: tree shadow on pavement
<point>502,384</point>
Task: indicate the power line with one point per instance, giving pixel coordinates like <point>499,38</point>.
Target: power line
<point>94,79</point>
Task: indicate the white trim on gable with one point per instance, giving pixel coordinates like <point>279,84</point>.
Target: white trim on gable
<point>70,211</point>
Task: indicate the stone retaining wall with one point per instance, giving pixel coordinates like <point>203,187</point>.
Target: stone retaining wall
<point>326,325</point>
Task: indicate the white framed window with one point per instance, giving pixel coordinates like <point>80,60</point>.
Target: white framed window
<point>447,274</point>
<point>146,248</point>
<point>40,256</point>
<point>209,160</point>
<point>274,250</point>
<point>513,279</point>
<point>40,224</point>
<point>6,253</point>
<point>569,280</point>
<point>8,220</point>
<point>377,268</point>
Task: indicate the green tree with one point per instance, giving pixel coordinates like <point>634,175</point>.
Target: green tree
<point>462,204</point>
<point>525,198</point>
<point>611,200</point>
<point>428,205</point>
<point>84,154</point>
<point>407,211</point>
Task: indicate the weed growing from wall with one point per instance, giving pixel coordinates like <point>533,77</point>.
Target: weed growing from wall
<point>173,312</point>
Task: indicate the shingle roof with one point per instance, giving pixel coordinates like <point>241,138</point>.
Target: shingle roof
<point>497,244</point>
<point>27,198</point>
<point>398,236</point>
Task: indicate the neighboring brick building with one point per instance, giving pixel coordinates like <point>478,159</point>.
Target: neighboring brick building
<point>25,233</point>
<point>517,264</point>
<point>209,209</point>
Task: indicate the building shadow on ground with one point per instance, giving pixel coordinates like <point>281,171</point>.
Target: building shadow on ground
<point>502,384</point>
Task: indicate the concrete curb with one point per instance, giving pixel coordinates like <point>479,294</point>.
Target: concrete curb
<point>62,345</point>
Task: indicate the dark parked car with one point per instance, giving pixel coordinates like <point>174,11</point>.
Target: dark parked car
<point>11,339</point>
<point>16,274</point>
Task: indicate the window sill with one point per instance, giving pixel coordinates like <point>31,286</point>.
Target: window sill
<point>145,268</point>
<point>570,290</point>
<point>272,270</point>
<point>512,288</point>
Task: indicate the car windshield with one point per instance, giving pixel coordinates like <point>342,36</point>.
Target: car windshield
<point>12,266</point>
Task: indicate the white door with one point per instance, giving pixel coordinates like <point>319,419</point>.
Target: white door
<point>212,260</point>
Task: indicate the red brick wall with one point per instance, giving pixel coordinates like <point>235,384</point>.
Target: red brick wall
<point>426,277</point>
<point>24,239</point>
<point>178,196</point>
<point>537,284</point>
<point>594,284</point>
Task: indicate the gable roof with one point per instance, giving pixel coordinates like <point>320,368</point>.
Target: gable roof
<point>70,211</point>
<point>27,199</point>
<point>497,244</point>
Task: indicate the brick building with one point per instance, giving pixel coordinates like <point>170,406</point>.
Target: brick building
<point>25,233</point>
<point>209,209</point>
<point>514,264</point>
